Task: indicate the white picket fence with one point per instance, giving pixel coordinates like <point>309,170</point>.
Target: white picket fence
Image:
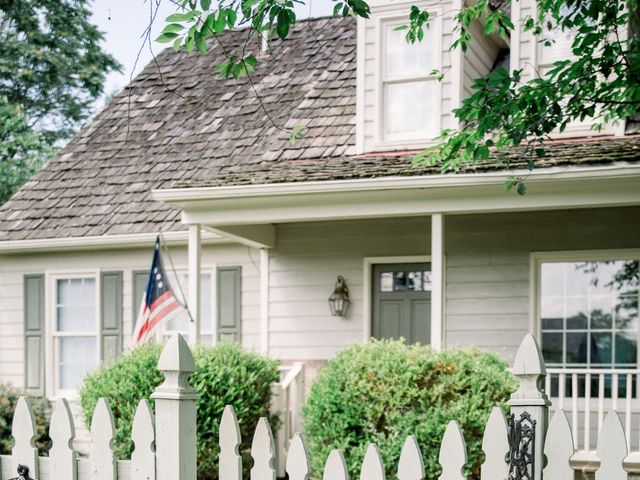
<point>173,433</point>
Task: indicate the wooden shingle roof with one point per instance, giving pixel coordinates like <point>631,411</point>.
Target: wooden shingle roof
<point>180,124</point>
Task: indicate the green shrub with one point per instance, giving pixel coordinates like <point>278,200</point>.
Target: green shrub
<point>383,391</point>
<point>9,396</point>
<point>225,375</point>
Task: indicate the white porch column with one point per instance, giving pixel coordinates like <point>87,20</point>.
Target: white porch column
<point>195,247</point>
<point>437,279</point>
<point>264,300</point>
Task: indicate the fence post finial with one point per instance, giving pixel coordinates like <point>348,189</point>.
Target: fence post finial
<point>175,413</point>
<point>529,410</point>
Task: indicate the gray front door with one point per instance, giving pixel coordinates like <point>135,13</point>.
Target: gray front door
<point>401,300</point>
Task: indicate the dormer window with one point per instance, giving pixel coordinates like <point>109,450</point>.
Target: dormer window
<point>410,91</point>
<point>401,103</point>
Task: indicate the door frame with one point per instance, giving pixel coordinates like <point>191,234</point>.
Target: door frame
<point>367,317</point>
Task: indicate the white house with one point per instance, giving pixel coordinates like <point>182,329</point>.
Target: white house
<point>447,260</point>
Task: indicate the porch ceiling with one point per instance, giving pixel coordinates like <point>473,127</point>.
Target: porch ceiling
<point>553,188</point>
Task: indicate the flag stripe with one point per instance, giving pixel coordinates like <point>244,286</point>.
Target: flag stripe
<point>152,322</point>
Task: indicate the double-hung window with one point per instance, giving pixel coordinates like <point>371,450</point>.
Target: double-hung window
<point>588,314</point>
<point>75,331</point>
<point>409,89</point>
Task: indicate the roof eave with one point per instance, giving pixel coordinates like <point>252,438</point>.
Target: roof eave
<point>102,242</point>
<point>453,193</point>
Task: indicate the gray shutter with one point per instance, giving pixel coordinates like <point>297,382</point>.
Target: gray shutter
<point>111,314</point>
<point>140,278</point>
<point>228,292</point>
<point>34,334</point>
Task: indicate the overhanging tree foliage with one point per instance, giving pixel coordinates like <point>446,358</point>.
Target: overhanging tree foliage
<point>601,81</point>
<point>51,71</point>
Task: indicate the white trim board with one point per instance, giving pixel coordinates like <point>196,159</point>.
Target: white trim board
<point>548,189</point>
<point>101,242</point>
<point>368,263</point>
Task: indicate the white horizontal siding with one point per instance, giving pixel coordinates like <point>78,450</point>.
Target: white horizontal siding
<point>14,267</point>
<point>487,258</point>
<point>303,270</point>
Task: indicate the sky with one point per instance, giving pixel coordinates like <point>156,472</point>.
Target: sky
<point>124,21</point>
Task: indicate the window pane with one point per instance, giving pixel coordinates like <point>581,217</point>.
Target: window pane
<point>426,281</point>
<point>601,312</point>
<point>403,58</point>
<point>552,311</point>
<point>77,357</point>
<point>400,282</point>
<point>577,347</point>
<point>76,305</point>
<point>552,279</point>
<point>415,281</point>
<point>386,282</point>
<point>595,305</point>
<point>552,347</point>
<point>626,348</point>
<point>410,107</point>
<point>601,346</point>
<point>577,308</point>
<point>626,312</point>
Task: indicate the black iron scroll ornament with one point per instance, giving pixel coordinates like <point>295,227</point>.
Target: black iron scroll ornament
<point>23,473</point>
<point>521,456</point>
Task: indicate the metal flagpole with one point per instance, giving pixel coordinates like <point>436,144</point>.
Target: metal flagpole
<point>177,277</point>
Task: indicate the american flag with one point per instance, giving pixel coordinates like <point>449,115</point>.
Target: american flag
<point>158,302</point>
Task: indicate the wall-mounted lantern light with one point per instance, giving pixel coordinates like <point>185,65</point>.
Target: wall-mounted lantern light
<point>339,299</point>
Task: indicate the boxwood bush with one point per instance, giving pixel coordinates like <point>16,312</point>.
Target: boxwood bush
<point>225,375</point>
<point>9,396</point>
<point>383,391</point>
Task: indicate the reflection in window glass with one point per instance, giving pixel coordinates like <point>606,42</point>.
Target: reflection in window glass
<point>589,313</point>
<point>404,114</point>
<point>426,281</point>
<point>400,281</point>
<point>403,58</point>
<point>386,282</point>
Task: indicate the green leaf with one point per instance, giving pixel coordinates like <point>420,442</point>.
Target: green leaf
<point>181,17</point>
<point>201,43</point>
<point>282,28</point>
<point>231,18</point>
<point>166,37</point>
<point>336,9</point>
<point>219,23</point>
<point>173,28</point>
<point>205,4</point>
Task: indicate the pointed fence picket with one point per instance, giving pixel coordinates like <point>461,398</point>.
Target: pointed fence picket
<point>372,467</point>
<point>263,452</point>
<point>143,457</point>
<point>174,429</point>
<point>495,447</point>
<point>62,458</point>
<point>297,465</point>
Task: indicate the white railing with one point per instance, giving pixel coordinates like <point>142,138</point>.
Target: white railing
<point>586,395</point>
<point>288,398</point>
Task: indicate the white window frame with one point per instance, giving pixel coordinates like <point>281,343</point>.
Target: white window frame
<point>576,128</point>
<point>52,389</point>
<point>413,139</point>
<point>538,258</point>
